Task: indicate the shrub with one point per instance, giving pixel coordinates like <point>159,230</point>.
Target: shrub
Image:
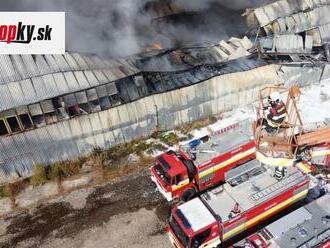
<point>56,171</point>
<point>39,176</point>
<point>5,191</point>
<point>169,138</point>
<point>71,167</point>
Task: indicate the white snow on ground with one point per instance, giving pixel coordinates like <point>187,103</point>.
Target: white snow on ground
<point>313,106</point>
<point>314,103</point>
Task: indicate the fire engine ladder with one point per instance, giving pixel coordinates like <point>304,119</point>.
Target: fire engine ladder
<point>285,182</point>
<point>283,139</point>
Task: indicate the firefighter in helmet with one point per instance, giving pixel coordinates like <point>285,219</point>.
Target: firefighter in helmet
<point>280,172</point>
<point>236,210</point>
<point>276,112</point>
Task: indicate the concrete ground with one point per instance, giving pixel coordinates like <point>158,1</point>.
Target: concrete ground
<point>127,212</point>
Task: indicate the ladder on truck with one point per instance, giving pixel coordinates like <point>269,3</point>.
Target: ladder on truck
<point>283,141</point>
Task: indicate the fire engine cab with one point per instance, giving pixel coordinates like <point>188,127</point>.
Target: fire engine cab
<point>250,195</point>
<point>202,163</point>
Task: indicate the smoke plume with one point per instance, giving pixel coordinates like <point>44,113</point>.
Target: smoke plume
<point>117,28</point>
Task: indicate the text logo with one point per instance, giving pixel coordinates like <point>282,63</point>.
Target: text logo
<point>32,33</point>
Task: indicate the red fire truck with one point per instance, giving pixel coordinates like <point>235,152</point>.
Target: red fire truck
<point>308,226</point>
<point>250,195</point>
<point>202,163</point>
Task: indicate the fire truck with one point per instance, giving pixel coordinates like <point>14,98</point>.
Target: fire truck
<point>308,226</point>
<point>250,195</point>
<point>202,163</point>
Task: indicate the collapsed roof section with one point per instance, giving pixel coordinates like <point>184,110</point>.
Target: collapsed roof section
<point>27,79</point>
<point>293,27</point>
<point>189,57</point>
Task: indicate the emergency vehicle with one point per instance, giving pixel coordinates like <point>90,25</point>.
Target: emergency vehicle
<point>202,163</point>
<point>250,195</point>
<point>308,226</point>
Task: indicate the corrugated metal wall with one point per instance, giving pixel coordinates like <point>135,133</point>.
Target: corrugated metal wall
<point>78,136</point>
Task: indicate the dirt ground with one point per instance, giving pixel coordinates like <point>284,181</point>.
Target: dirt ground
<point>126,212</point>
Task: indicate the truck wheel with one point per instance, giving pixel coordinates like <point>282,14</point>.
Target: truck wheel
<point>188,194</point>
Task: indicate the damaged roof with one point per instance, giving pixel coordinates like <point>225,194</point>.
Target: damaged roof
<point>29,79</point>
<point>295,17</point>
<point>25,79</point>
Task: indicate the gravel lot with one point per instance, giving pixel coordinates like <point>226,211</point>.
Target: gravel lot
<point>127,212</point>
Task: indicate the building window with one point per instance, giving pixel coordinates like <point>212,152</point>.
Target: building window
<point>26,121</point>
<point>83,102</point>
<point>74,110</point>
<point>115,100</point>
<point>51,118</point>
<point>13,124</point>
<point>38,120</point>
<point>37,116</point>
<point>3,128</point>
<point>105,103</point>
<point>71,105</point>
<point>95,106</point>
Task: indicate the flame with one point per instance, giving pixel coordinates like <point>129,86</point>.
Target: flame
<point>154,46</point>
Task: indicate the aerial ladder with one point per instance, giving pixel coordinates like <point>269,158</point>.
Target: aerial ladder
<point>289,142</point>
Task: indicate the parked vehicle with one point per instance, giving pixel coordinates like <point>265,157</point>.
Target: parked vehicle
<point>308,226</point>
<point>202,163</point>
<point>250,195</point>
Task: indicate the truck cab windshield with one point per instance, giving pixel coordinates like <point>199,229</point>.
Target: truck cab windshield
<point>162,173</point>
<point>180,234</point>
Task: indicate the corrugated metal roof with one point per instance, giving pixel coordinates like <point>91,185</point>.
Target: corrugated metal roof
<point>291,43</point>
<point>25,79</point>
<point>279,9</point>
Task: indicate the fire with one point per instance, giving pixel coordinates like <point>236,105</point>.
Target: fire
<point>154,46</point>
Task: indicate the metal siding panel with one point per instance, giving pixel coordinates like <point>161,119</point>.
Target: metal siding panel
<point>35,109</point>
<point>80,61</point>
<point>7,70</point>
<point>92,80</point>
<point>52,62</point>
<point>112,89</point>
<point>82,80</point>
<point>5,99</point>
<point>92,94</point>
<point>71,80</point>
<point>108,73</point>
<point>42,65</point>
<point>76,129</point>
<point>40,88</point>
<point>102,91</point>
<point>20,66</point>
<point>71,61</point>
<point>50,84</point>
<point>28,91</point>
<point>70,100</point>
<point>100,76</point>
<point>81,97</point>
<point>61,62</point>
<point>61,83</point>
<point>30,65</point>
<point>47,106</point>
<point>16,93</point>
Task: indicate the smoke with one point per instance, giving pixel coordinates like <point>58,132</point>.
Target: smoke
<point>117,28</point>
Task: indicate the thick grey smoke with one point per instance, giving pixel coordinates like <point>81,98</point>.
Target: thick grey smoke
<point>123,27</point>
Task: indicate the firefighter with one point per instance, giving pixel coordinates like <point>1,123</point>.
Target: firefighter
<point>280,172</point>
<point>276,112</point>
<point>236,210</point>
